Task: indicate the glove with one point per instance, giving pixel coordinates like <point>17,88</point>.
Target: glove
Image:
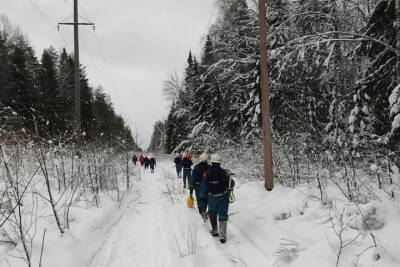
<point>191,191</point>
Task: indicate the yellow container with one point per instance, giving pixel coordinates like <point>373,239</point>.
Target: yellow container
<point>190,202</point>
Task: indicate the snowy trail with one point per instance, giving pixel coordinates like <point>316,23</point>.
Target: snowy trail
<point>156,231</point>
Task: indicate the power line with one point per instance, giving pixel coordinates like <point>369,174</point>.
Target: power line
<point>110,76</point>
<point>53,25</point>
<point>42,14</point>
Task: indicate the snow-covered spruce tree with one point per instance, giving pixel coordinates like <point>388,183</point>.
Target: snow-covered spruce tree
<point>24,93</point>
<point>48,86</point>
<point>202,96</point>
<point>173,130</point>
<point>183,104</point>
<point>376,95</point>
<point>65,90</point>
<point>229,81</point>
<point>87,115</point>
<point>5,70</point>
<point>299,71</point>
<point>157,140</point>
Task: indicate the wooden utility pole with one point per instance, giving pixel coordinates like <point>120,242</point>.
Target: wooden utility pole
<point>77,81</point>
<point>397,27</point>
<point>77,91</point>
<point>266,118</point>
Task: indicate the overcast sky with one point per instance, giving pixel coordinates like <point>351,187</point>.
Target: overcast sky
<point>142,41</point>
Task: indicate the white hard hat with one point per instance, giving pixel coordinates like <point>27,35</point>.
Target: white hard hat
<point>203,157</point>
<point>216,158</point>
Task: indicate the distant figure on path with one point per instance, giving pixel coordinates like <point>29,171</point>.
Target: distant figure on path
<point>178,164</point>
<point>134,159</point>
<point>146,162</point>
<point>187,168</point>
<point>152,163</point>
<point>141,160</point>
<point>216,187</point>
<point>198,173</point>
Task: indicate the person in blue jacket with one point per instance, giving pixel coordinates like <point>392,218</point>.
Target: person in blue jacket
<point>198,173</point>
<point>216,186</point>
<point>187,169</point>
<point>152,163</point>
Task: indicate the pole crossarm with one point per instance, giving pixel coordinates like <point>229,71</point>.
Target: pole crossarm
<point>77,23</point>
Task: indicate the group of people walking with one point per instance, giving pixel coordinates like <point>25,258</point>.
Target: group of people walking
<point>148,162</point>
<point>212,186</point>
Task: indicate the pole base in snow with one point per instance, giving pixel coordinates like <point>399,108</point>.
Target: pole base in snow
<point>268,188</point>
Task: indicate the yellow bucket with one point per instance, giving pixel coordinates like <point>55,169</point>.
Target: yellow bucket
<point>190,202</point>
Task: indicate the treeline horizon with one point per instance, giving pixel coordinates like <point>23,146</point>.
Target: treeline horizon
<point>37,96</point>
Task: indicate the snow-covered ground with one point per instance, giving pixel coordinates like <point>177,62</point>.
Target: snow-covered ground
<point>285,227</point>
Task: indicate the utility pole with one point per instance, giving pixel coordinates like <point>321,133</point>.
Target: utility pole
<point>265,109</point>
<point>397,27</point>
<point>77,81</point>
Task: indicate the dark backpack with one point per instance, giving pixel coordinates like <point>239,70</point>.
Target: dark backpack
<point>218,180</point>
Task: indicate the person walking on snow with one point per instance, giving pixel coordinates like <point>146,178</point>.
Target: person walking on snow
<point>178,164</point>
<point>215,187</point>
<point>146,162</point>
<point>198,173</point>
<point>134,159</point>
<point>152,163</point>
<point>187,168</point>
<point>141,160</point>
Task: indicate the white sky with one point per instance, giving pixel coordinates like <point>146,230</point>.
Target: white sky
<point>142,41</point>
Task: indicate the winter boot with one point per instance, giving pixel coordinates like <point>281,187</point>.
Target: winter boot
<point>203,215</point>
<point>222,231</point>
<point>214,224</point>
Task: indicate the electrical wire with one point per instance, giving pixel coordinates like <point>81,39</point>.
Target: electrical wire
<point>111,78</point>
<point>41,13</point>
<point>51,23</point>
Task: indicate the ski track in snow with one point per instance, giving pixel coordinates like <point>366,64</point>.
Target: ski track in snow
<point>154,231</point>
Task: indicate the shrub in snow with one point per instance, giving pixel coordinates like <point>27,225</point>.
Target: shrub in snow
<point>368,221</point>
<point>372,221</point>
<point>287,251</point>
<point>6,205</point>
<point>284,215</point>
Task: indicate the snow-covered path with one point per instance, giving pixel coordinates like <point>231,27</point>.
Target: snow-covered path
<point>158,230</point>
